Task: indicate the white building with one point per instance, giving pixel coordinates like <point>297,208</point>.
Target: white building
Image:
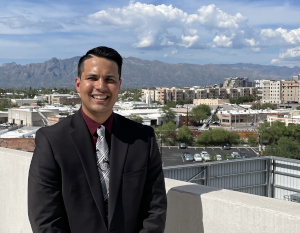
<point>29,116</point>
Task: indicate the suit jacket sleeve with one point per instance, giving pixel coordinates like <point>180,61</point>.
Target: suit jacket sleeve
<point>154,193</point>
<point>45,203</point>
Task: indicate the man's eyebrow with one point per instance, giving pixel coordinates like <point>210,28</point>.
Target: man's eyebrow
<point>110,76</point>
<point>92,75</point>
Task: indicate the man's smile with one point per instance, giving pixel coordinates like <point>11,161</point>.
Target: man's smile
<point>100,97</point>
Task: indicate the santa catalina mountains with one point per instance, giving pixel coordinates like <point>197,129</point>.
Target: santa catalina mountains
<point>138,73</point>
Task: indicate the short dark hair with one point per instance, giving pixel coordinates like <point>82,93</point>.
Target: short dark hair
<point>104,52</point>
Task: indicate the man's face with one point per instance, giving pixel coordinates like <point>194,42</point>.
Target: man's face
<point>99,87</point>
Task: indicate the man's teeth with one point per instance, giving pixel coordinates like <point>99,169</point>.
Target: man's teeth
<point>100,97</point>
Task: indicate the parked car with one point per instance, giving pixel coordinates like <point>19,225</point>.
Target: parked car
<point>182,145</point>
<point>205,156</point>
<point>219,157</point>
<point>226,146</point>
<point>197,158</point>
<point>236,155</point>
<point>244,155</point>
<point>187,157</point>
<point>228,157</point>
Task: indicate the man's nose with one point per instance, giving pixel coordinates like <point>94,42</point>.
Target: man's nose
<point>101,84</point>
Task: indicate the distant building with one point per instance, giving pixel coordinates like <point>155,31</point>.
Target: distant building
<point>210,101</point>
<point>57,98</point>
<point>29,116</point>
<point>21,102</point>
<point>3,117</point>
<point>278,92</point>
<point>237,82</point>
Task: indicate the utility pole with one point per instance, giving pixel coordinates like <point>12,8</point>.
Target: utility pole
<point>187,115</point>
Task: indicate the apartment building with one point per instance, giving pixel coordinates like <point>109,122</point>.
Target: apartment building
<point>242,91</point>
<point>222,93</point>
<point>201,94</point>
<point>188,94</point>
<point>163,95</point>
<point>210,101</point>
<point>177,94</point>
<point>232,93</point>
<point>278,92</point>
<point>213,93</point>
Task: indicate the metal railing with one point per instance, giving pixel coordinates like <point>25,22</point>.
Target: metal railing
<point>268,176</point>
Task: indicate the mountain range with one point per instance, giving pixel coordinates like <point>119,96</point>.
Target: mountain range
<point>138,73</point>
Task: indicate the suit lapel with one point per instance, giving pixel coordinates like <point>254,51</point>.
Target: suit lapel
<point>84,146</point>
<point>119,146</point>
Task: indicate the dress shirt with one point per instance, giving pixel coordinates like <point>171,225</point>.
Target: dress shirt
<point>93,126</point>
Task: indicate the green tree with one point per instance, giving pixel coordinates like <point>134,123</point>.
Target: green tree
<point>267,105</point>
<point>170,104</point>
<point>168,133</point>
<point>285,147</point>
<point>272,133</point>
<point>252,141</point>
<point>215,118</point>
<point>200,113</point>
<point>204,138</point>
<point>298,108</point>
<point>135,118</point>
<point>185,135</point>
<point>217,137</point>
<point>168,114</point>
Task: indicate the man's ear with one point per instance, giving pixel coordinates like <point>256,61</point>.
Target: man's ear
<point>77,84</point>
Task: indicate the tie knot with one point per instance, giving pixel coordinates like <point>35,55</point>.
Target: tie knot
<point>101,131</point>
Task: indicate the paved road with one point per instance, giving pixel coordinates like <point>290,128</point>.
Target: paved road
<point>172,156</point>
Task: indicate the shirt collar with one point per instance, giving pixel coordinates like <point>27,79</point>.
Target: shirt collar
<point>93,125</point>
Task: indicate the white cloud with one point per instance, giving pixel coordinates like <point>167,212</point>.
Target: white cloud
<point>23,23</point>
<point>290,58</point>
<point>222,41</point>
<point>189,41</point>
<point>256,49</point>
<point>166,55</point>
<point>17,44</point>
<point>274,61</point>
<point>152,25</point>
<point>291,54</point>
<point>174,51</point>
<point>280,36</point>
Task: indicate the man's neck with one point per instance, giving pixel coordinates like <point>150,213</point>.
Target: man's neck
<point>97,117</point>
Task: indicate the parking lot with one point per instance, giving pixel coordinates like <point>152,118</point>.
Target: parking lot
<point>172,156</point>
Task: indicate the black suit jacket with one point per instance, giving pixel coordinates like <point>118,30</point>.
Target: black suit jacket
<point>64,189</point>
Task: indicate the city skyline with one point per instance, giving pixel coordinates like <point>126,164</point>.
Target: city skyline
<point>216,32</point>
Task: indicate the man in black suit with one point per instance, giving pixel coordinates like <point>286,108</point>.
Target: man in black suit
<point>71,188</point>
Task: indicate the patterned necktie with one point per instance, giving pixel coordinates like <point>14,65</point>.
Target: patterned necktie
<point>102,154</point>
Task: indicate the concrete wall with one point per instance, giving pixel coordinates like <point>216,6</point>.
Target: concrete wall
<point>197,208</point>
<point>191,208</point>
<point>14,167</point>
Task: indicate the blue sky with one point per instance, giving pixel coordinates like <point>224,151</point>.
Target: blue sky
<point>190,31</point>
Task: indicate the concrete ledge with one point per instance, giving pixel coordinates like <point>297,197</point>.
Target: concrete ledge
<point>197,208</point>
<point>191,208</point>
<point>14,167</point>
